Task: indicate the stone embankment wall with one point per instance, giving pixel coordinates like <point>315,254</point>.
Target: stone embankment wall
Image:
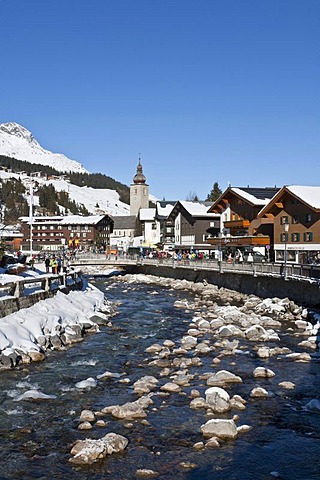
<point>301,291</point>
<point>11,304</point>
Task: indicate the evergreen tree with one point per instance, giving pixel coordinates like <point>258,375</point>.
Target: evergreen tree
<point>215,193</point>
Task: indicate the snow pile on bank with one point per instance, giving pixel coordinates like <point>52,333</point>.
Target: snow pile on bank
<point>54,323</point>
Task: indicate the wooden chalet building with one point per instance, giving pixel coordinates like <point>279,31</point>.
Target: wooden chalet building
<point>295,208</point>
<point>72,231</point>
<point>240,226</point>
<point>191,222</point>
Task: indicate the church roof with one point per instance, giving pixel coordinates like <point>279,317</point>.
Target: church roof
<point>139,178</point>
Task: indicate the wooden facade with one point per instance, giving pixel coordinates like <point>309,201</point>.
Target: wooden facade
<point>58,232</point>
<point>295,207</point>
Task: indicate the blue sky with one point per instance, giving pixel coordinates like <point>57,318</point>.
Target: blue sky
<point>205,90</point>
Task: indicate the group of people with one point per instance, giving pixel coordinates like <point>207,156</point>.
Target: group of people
<point>56,263</point>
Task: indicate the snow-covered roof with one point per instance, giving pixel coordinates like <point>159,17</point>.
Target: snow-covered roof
<point>147,214</point>
<point>309,194</point>
<point>164,211</point>
<point>251,198</point>
<point>68,220</point>
<point>79,220</point>
<point>195,208</point>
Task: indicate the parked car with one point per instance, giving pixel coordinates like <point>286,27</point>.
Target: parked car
<point>257,257</point>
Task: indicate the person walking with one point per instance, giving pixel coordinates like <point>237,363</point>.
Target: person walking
<point>54,264</point>
<point>47,263</point>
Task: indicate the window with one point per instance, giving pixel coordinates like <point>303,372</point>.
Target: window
<point>284,237</point>
<point>308,236</point>
<point>154,226</point>
<point>295,219</point>
<point>284,219</point>
<point>295,237</point>
<point>308,217</point>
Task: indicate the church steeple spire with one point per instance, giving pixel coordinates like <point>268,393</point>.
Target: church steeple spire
<point>139,191</point>
<point>139,178</point>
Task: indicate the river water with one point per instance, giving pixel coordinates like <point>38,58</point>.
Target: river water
<point>36,436</point>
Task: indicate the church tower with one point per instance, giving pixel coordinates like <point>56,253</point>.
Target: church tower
<point>139,192</point>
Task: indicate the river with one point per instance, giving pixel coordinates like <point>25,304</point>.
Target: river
<point>36,436</point>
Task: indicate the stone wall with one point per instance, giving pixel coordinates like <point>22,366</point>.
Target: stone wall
<point>12,304</point>
<point>301,291</point>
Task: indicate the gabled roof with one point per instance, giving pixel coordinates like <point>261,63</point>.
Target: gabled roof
<point>309,195</point>
<point>192,211</point>
<point>124,222</point>
<point>254,196</point>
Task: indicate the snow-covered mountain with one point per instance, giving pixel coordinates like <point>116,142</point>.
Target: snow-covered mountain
<point>97,201</point>
<point>17,142</point>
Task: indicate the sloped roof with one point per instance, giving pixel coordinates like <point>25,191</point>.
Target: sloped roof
<point>80,220</point>
<point>124,222</point>
<point>308,194</point>
<point>195,208</point>
<point>256,196</point>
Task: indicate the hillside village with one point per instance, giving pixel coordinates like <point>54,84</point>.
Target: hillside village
<point>270,222</point>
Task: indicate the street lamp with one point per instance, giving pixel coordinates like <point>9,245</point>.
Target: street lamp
<point>220,252</point>
<point>286,230</point>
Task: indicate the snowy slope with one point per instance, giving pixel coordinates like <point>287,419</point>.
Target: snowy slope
<point>97,201</point>
<point>17,142</point>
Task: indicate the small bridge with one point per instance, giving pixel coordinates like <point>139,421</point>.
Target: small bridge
<point>277,270</point>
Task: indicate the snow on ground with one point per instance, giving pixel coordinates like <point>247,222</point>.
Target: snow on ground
<point>97,201</point>
<point>23,332</point>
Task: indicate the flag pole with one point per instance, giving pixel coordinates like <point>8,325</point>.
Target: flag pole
<point>31,219</point>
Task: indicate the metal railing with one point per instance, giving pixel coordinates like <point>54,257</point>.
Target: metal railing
<point>27,286</point>
<point>297,271</point>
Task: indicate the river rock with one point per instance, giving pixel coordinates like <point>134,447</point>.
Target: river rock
<point>256,333</point>
<point>287,385</point>
<point>106,375</point>
<point>238,402</point>
<point>145,384</point>
<point>216,323</point>
<point>170,387</point>
<point>129,410</point>
<point>258,392</point>
<point>198,403</point>
<point>87,416</point>
<point>188,342</point>
<point>89,451</point>
<point>213,442</point>
<point>223,377</point>
<point>85,426</point>
<point>168,343</point>
<point>155,348</point>
<point>262,372</point>
<point>88,383</point>
<point>218,399</point>
<point>219,427</point>
<point>36,356</point>
<point>146,472</point>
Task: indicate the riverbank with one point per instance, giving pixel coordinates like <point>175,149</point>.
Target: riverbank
<point>299,289</point>
<point>51,324</point>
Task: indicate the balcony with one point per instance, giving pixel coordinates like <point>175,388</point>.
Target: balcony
<point>242,223</point>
